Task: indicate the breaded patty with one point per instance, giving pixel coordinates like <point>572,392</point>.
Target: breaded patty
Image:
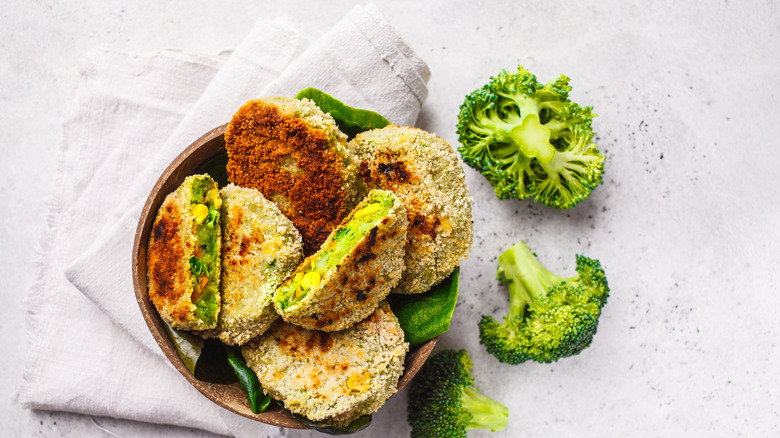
<point>182,258</point>
<point>260,248</point>
<point>295,155</point>
<point>331,376</point>
<point>424,171</point>
<point>357,266</point>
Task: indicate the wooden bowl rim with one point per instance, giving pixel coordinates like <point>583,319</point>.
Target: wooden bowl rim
<point>274,415</point>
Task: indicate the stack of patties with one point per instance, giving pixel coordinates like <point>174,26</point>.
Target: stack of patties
<point>387,212</point>
<point>215,257</point>
<point>294,154</point>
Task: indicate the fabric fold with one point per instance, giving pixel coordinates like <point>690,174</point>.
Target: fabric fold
<point>80,360</point>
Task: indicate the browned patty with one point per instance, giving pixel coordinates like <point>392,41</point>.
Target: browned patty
<point>295,155</point>
<point>424,171</point>
<point>260,247</point>
<point>172,242</point>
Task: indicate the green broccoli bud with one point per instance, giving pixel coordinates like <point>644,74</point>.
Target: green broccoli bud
<point>530,140</point>
<point>550,317</point>
<point>444,403</point>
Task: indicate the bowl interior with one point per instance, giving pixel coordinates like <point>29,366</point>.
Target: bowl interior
<point>229,396</point>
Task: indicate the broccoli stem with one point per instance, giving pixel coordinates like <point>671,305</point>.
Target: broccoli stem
<point>486,412</point>
<point>533,139</point>
<point>529,135</point>
<point>523,132</point>
<point>519,299</point>
<point>527,279</point>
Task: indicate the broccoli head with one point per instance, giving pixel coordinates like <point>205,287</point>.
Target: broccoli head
<point>550,317</point>
<point>444,403</point>
<point>530,140</point>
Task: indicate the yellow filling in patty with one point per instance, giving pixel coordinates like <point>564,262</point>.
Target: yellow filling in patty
<point>309,275</point>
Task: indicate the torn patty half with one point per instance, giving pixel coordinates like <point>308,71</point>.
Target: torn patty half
<point>357,266</point>
<point>183,255</point>
<point>260,247</point>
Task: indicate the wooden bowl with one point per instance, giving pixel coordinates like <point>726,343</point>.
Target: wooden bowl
<point>229,396</point>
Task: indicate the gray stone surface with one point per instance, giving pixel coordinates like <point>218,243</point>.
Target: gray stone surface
<point>685,222</point>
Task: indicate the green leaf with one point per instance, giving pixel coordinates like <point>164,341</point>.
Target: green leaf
<point>188,346</point>
<point>213,364</point>
<point>258,400</point>
<point>225,365</point>
<point>216,168</point>
<point>351,121</point>
<point>356,425</point>
<point>427,315</point>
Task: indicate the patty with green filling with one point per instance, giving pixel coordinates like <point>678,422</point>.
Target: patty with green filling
<point>357,265</point>
<point>424,172</point>
<point>333,377</point>
<point>260,248</point>
<point>183,256</point>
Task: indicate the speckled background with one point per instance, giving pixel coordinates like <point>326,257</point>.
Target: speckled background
<point>685,223</point>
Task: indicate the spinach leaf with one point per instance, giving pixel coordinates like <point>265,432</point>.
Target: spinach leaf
<point>216,168</point>
<point>351,121</point>
<point>258,400</point>
<point>427,315</point>
<point>213,364</point>
<point>188,346</point>
<point>356,425</point>
<point>222,364</point>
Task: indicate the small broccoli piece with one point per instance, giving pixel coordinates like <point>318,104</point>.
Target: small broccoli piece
<point>444,403</point>
<point>550,317</point>
<point>530,140</point>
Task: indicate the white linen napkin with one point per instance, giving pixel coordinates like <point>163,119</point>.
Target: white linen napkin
<point>90,349</point>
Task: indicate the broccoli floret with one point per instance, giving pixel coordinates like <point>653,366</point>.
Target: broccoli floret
<point>444,403</point>
<point>550,317</point>
<point>530,140</point>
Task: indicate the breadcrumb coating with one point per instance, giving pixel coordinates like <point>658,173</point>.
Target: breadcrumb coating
<point>331,376</point>
<point>423,170</point>
<point>351,290</point>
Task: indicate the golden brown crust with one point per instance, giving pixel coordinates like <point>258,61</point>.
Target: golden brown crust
<point>370,271</point>
<point>389,171</point>
<point>168,245</point>
<point>294,164</point>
